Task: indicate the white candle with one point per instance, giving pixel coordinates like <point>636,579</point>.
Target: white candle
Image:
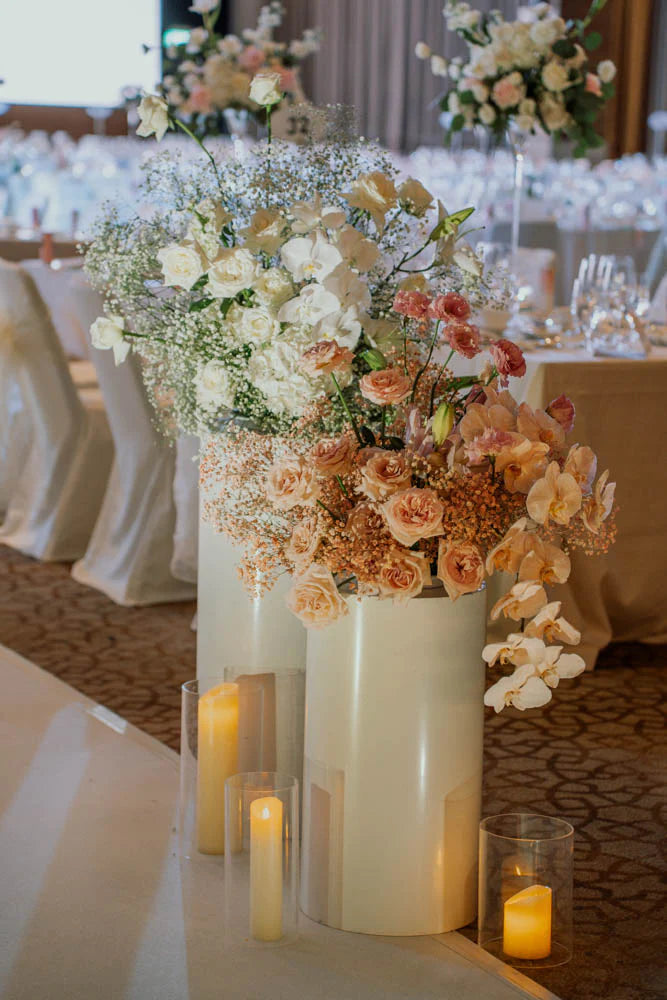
<point>217,760</point>
<point>266,869</point>
<point>527,923</point>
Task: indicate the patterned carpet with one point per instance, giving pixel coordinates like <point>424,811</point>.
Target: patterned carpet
<point>596,756</point>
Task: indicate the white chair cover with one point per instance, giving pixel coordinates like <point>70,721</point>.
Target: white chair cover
<point>658,310</point>
<point>50,282</point>
<point>186,498</point>
<point>130,552</point>
<point>55,499</point>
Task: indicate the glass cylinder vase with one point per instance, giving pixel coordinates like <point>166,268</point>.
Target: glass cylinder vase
<point>525,889</point>
<point>221,735</point>
<point>261,858</point>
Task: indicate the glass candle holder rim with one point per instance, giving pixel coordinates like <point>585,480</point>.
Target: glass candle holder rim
<point>191,687</point>
<point>567,830</point>
<point>281,782</point>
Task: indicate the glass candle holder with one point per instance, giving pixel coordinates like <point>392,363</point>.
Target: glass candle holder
<point>261,858</point>
<point>221,735</point>
<point>525,889</point>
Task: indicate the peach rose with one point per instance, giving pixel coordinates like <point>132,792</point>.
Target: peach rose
<point>507,93</point>
<point>365,520</point>
<point>403,575</point>
<point>304,542</point>
<point>251,59</point>
<point>386,387</point>
<point>292,482</point>
<point>200,98</point>
<point>314,598</point>
<point>593,85</point>
<point>333,458</point>
<point>325,357</point>
<point>413,514</point>
<point>460,567</point>
<point>384,473</point>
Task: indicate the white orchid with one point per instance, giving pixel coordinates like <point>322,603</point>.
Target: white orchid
<point>549,626</point>
<point>517,649</point>
<point>523,689</point>
<point>557,666</point>
<point>311,305</point>
<point>523,601</point>
<point>307,257</point>
<point>309,215</point>
<point>357,249</point>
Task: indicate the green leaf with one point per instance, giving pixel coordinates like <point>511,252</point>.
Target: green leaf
<point>450,224</point>
<point>564,48</point>
<point>457,123</point>
<point>225,306</point>
<point>593,41</point>
<point>199,283</point>
<point>367,436</point>
<point>374,359</point>
<point>199,305</point>
<point>608,91</point>
<point>467,97</point>
<point>395,443</point>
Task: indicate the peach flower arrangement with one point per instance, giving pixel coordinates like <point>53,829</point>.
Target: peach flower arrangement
<point>436,480</point>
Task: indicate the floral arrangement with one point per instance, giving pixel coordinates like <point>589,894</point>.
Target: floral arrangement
<point>530,73</point>
<point>212,73</point>
<point>315,318</point>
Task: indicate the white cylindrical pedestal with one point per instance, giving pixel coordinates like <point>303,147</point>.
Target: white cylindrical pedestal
<point>393,766</point>
<point>256,636</point>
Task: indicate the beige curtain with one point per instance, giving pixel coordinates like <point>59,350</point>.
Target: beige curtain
<point>367,60</point>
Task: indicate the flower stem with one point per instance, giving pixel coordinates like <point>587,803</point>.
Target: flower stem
<point>347,411</point>
<point>435,384</point>
<point>342,487</point>
<point>426,363</point>
<point>336,517</point>
<point>201,145</point>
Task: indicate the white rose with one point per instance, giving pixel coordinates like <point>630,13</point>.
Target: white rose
<point>153,117</point>
<point>478,89</point>
<point>482,63</point>
<point>422,50</point>
<point>553,112</point>
<point>256,324</point>
<point>205,226</point>
<point>213,386</point>
<point>454,69</point>
<point>606,70</point>
<point>197,38</point>
<point>527,106</point>
<point>181,264</point>
<point>203,6</point>
<point>524,122</point>
<point>438,66</point>
<point>106,334</point>
<point>274,287</point>
<point>555,76</point>
<point>265,89</point>
<point>487,114</point>
<point>545,33</point>
<point>230,45</point>
<point>234,270</point>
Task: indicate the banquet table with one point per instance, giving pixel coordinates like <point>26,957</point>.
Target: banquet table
<point>96,904</point>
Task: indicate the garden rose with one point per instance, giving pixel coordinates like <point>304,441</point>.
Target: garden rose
<point>553,113</point>
<point>232,271</point>
<point>325,357</point>
<point>273,287</point>
<point>154,117</point>
<point>606,70</point>
<point>555,76</point>
<point>593,85</point>
<point>304,543</point>
<point>292,482</point>
<point>214,387</point>
<point>507,93</point>
<point>265,89</point>
<point>411,303</point>
<point>413,514</point>
<point>255,324</point>
<point>508,358</point>
<point>386,387</point>
<point>403,575</point>
<point>365,521</point>
<point>106,334</point>
<point>333,458</point>
<point>314,598</point>
<point>384,473</point>
<point>460,567</point>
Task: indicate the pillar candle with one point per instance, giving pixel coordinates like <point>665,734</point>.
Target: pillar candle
<point>266,869</point>
<point>217,760</point>
<point>527,923</point>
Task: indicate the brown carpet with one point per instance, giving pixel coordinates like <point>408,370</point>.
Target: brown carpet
<point>596,756</point>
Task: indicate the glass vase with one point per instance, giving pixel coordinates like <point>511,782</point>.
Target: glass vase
<point>525,889</point>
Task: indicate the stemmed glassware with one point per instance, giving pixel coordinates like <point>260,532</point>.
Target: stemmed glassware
<point>607,306</point>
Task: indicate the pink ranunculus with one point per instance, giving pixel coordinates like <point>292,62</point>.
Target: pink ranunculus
<point>463,338</point>
<point>287,79</point>
<point>292,482</point>
<point>403,575</point>
<point>384,473</point>
<point>314,598</point>
<point>449,306</point>
<point>386,387</point>
<point>593,85</point>
<point>200,99</point>
<point>251,59</point>
<point>413,514</point>
<point>412,304</point>
<point>562,410</point>
<point>460,567</point>
<point>508,358</point>
<point>333,458</point>
<point>325,357</point>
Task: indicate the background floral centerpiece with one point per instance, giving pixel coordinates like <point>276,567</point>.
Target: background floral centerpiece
<point>535,72</point>
<point>211,74</point>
